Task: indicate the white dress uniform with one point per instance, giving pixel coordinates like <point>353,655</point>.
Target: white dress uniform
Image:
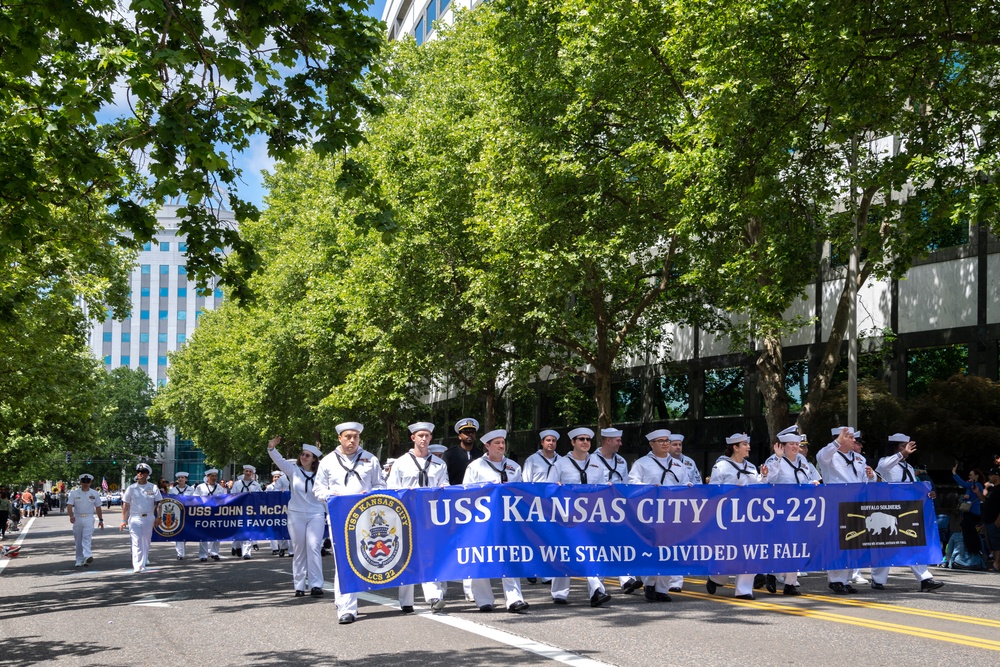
<point>617,472</point>
<point>339,475</point>
<point>894,469</point>
<point>668,471</point>
<point>572,471</point>
<point>841,468</point>
<point>306,523</point>
<point>412,472</point>
<point>85,505</point>
<point>484,471</point>
<point>208,550</point>
<point>142,500</point>
<point>240,485</point>
<point>174,490</point>
<point>782,470</point>
<point>538,468</point>
<point>281,485</point>
<point>694,475</point>
<point>728,471</point>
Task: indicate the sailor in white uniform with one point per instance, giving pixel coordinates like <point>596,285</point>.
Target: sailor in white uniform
<point>348,470</point>
<point>895,469</point>
<point>677,451</point>
<point>180,487</point>
<point>418,469</point>
<point>495,468</point>
<point>306,516</point>
<point>210,487</point>
<point>659,468</point>
<point>84,504</point>
<point>734,468</point>
<point>139,514</point>
<point>540,467</point>
<point>617,473</point>
<point>279,482</point>
<point>246,484</point>
<point>841,464</point>
<point>580,467</point>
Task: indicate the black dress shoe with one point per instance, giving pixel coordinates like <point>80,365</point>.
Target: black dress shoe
<point>247,557</point>
<point>711,586</point>
<point>180,558</point>
<point>316,591</point>
<point>346,619</point>
<point>300,594</point>
<point>216,557</point>
<point>90,559</point>
<point>631,585</point>
<point>406,608</point>
<point>532,580</point>
<point>281,553</point>
<point>649,592</point>
<point>877,586</point>
<point>274,552</point>
<point>851,590</point>
<point>930,585</point>
<point>599,598</point>
<point>517,607</point>
<point>758,581</point>
<point>838,588</point>
<point>486,608</point>
<point>235,553</point>
<point>675,590</point>
<point>203,560</point>
<point>790,590</point>
<point>771,583</point>
<point>560,601</point>
<point>748,596</point>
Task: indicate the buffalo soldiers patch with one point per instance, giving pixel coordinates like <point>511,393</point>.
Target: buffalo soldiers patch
<point>882,524</point>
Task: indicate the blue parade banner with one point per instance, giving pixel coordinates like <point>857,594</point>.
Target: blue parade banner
<point>244,516</point>
<point>409,536</point>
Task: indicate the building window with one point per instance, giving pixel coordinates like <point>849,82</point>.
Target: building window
<point>162,337</point>
<point>143,314</point>
<point>163,314</point>
<point>926,365</point>
<point>182,315</point>
<point>161,382</point>
<point>164,246</point>
<point>724,392</point>
<point>182,270</point>
<point>796,384</point>
<point>144,338</point>
<point>164,269</point>
<point>626,401</point>
<point>147,246</point>
<point>107,360</point>
<point>126,337</point>
<point>183,247</point>
<point>144,291</point>
<point>161,360</point>
<point>444,5</point>
<point>182,292</point>
<point>143,360</point>
<point>218,293</point>
<point>181,338</point>
<point>164,291</point>
<point>144,269</point>
<point>418,32</point>
<point>431,16</point>
<point>126,360</point>
<point>197,315</point>
<point>107,336</point>
<point>672,397</point>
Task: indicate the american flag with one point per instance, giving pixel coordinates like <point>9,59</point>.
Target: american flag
<point>104,484</point>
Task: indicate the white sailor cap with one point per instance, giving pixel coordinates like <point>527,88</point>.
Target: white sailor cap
<point>547,432</point>
<point>247,466</point>
<point>577,432</point>
<point>737,437</point>
<point>793,429</point>
<point>313,449</point>
<point>676,437</point>
<point>493,435</point>
<point>437,449</point>
<point>466,422</point>
<point>349,426</point>
<point>899,437</point>
<point>611,433</point>
<point>277,473</point>
<point>211,471</point>
<point>835,432</point>
<point>657,434</point>
<point>179,474</point>
<point>421,426</point>
<point>144,466</point>
<point>857,435</point>
<point>789,437</point>
<point>86,476</point>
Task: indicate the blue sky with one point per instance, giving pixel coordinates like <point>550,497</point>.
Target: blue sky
<point>255,160</point>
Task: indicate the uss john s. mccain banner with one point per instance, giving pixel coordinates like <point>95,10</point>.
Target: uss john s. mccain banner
<point>243,516</point>
<point>392,537</point>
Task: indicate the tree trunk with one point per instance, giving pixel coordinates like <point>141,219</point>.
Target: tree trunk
<point>396,447</point>
<point>771,381</point>
<point>602,394</point>
<point>490,416</point>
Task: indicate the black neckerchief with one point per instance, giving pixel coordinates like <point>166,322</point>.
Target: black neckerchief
<point>352,470</point>
<point>906,471</point>
<point>744,470</point>
<point>665,470</point>
<point>550,465</point>
<point>849,461</point>
<point>502,471</point>
<point>310,479</point>
<point>613,471</point>
<point>797,469</point>
<point>583,470</point>
<point>246,489</point>
<point>422,479</point>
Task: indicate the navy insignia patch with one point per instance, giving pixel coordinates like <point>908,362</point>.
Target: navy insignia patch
<point>379,538</point>
<point>171,513</point>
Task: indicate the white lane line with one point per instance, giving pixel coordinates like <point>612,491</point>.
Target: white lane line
<point>544,650</point>
<point>17,542</point>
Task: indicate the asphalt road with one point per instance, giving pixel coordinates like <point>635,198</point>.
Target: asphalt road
<point>239,612</point>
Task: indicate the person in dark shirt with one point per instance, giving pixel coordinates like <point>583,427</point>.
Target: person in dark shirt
<point>990,513</point>
<point>461,455</point>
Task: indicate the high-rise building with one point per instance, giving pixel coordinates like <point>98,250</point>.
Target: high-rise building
<point>416,17</point>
